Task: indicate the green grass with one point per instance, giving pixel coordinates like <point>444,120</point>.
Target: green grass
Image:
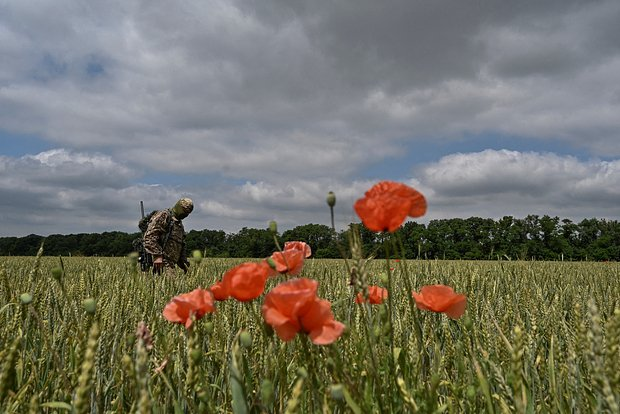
<point>536,337</point>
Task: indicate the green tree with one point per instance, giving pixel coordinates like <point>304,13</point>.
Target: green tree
<point>211,242</point>
<point>569,232</point>
<point>319,237</point>
<point>251,243</point>
<point>589,232</point>
<point>413,237</point>
<point>28,245</point>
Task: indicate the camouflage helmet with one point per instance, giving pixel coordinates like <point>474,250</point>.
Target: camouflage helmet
<point>182,208</point>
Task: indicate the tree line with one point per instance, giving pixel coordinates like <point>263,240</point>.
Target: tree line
<point>532,237</point>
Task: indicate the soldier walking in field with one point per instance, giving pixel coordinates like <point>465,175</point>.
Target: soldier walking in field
<point>164,238</point>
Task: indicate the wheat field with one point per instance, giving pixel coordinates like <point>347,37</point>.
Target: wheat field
<point>87,335</point>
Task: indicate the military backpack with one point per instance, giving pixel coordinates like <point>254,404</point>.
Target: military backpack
<point>145,258</point>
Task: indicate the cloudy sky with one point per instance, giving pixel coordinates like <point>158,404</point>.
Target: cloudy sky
<point>256,109</point>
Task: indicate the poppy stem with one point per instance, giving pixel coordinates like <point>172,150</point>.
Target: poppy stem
<point>312,373</point>
<point>277,243</point>
<point>390,292</point>
<point>371,340</point>
<point>391,362</point>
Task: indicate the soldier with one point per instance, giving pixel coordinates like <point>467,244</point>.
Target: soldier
<point>164,238</point>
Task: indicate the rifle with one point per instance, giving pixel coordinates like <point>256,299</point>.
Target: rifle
<point>145,259</point>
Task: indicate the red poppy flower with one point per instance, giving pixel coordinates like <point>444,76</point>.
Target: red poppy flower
<point>244,282</point>
<point>387,204</point>
<point>441,298</point>
<point>319,323</point>
<point>376,295</point>
<point>289,261</point>
<point>293,307</point>
<point>196,303</point>
<point>219,291</point>
<point>298,245</point>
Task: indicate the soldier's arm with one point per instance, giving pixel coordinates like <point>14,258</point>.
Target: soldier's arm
<point>154,232</point>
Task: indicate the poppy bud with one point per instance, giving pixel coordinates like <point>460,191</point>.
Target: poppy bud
<point>245,339</point>
<point>209,327</point>
<point>376,332</point>
<point>25,298</point>
<point>126,361</point>
<point>273,226</point>
<point>130,340</point>
<point>271,263</point>
<point>266,392</point>
<point>471,392</point>
<point>468,322</point>
<point>57,273</point>
<point>195,354</point>
<point>90,305</point>
<point>383,311</point>
<point>337,391</point>
<point>331,199</point>
<point>197,256</point>
<point>302,372</point>
<point>384,278</point>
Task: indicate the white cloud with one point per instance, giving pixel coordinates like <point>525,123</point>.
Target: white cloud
<point>225,74</point>
<point>496,183</point>
<point>66,169</point>
<point>67,191</point>
<point>298,99</point>
<point>290,203</point>
<point>484,184</point>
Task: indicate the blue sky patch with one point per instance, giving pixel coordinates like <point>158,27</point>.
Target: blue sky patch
<point>18,145</point>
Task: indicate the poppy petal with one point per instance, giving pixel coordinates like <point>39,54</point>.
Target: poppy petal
<point>376,295</point>
<point>387,204</point>
<point>293,306</point>
<point>182,307</point>
<point>441,298</point>
<point>298,245</point>
<point>289,261</point>
<point>219,291</point>
<point>457,309</point>
<point>285,327</point>
<point>172,313</point>
<point>316,315</point>
<point>328,333</point>
<point>245,282</point>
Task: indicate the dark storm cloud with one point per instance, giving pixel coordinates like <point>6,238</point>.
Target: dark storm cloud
<point>222,71</point>
<point>296,98</point>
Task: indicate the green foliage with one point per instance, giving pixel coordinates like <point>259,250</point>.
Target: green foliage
<point>320,237</point>
<point>250,243</point>
<point>474,238</point>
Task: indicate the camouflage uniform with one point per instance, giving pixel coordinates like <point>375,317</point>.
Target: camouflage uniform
<point>165,236</point>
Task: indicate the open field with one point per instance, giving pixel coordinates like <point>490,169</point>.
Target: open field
<point>536,336</point>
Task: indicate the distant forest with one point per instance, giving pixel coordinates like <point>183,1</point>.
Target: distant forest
<point>532,237</point>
